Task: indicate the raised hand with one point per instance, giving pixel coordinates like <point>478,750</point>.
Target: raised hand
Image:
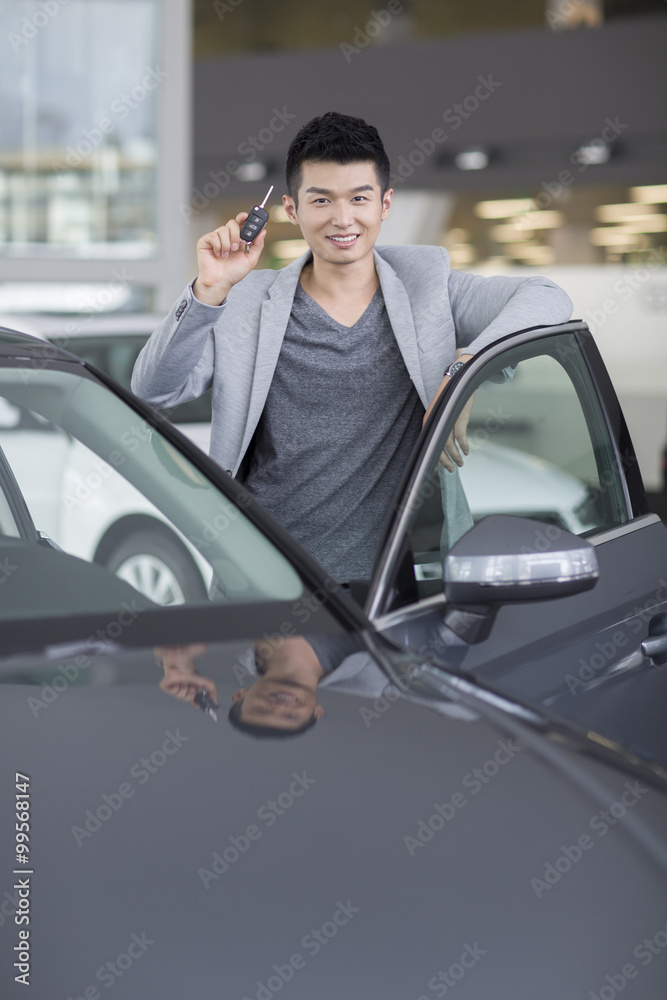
<point>222,260</point>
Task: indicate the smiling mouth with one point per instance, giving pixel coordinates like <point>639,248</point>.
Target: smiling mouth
<point>344,240</point>
<point>285,697</point>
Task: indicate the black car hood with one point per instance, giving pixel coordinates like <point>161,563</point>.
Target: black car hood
<point>395,850</point>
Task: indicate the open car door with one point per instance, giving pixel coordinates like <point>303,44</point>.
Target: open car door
<point>547,444</point>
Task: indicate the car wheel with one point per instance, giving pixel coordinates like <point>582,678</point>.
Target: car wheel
<point>157,567</point>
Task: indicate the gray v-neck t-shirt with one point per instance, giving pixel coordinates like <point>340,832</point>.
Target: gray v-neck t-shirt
<point>338,426</point>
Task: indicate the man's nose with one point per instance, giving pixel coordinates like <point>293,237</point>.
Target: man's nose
<point>342,214</point>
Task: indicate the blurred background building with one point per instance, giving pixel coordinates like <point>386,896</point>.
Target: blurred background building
<point>527,136</point>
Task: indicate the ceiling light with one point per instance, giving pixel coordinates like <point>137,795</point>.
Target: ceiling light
<point>613,237</point>
<point>592,153</point>
<point>255,171</point>
<point>472,159</point>
<point>541,220</point>
<point>651,224</point>
<point>655,193</point>
<point>503,209</point>
<point>624,213</point>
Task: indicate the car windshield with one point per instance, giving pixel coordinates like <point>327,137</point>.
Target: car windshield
<point>97,507</point>
<point>116,355</point>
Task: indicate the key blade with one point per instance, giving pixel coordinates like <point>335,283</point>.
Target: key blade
<point>267,196</point>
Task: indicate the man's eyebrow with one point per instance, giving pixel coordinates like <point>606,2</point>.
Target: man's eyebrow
<point>318,190</point>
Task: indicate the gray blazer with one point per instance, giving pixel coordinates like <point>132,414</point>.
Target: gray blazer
<point>234,347</point>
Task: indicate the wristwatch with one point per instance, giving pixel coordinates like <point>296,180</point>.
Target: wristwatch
<point>455,367</point>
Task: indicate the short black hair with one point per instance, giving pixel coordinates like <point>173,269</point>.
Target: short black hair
<point>335,138</point>
<point>272,732</point>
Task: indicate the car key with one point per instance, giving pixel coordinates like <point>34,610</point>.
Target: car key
<point>253,225</point>
<point>206,703</point>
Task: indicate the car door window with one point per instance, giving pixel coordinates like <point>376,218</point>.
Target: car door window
<point>539,447</point>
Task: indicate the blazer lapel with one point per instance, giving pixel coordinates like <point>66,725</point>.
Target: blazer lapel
<point>274,317</point>
<point>400,316</point>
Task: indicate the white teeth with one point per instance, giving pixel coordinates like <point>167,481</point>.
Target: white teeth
<point>343,239</point>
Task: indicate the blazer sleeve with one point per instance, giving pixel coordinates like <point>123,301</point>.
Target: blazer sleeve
<point>486,309</point>
<point>176,364</point>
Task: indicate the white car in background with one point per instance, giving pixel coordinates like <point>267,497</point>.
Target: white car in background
<point>89,509</point>
<point>84,504</point>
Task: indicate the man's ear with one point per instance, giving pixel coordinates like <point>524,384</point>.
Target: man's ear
<point>319,712</point>
<point>239,695</point>
<point>290,208</point>
<point>386,202</point>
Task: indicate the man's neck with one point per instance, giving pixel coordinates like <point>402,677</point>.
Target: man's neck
<point>323,280</point>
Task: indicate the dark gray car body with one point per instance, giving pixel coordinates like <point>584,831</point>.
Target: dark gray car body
<point>437,839</point>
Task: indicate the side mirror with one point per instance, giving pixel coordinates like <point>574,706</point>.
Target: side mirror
<point>506,558</point>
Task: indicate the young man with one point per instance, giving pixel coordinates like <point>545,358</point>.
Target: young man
<point>323,372</point>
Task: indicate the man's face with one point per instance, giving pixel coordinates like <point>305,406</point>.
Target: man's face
<point>340,211</point>
<point>281,704</point>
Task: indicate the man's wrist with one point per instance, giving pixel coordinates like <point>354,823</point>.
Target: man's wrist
<point>455,367</point>
<point>209,295</point>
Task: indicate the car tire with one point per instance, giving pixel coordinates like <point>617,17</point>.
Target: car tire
<point>158,567</point>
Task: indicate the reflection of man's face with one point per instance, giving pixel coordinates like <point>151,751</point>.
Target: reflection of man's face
<point>278,703</point>
<point>285,697</point>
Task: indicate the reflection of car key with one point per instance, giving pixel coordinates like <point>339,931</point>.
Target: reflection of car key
<point>206,703</point>
<point>253,225</point>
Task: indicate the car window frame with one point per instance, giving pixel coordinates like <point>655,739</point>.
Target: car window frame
<point>392,546</point>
